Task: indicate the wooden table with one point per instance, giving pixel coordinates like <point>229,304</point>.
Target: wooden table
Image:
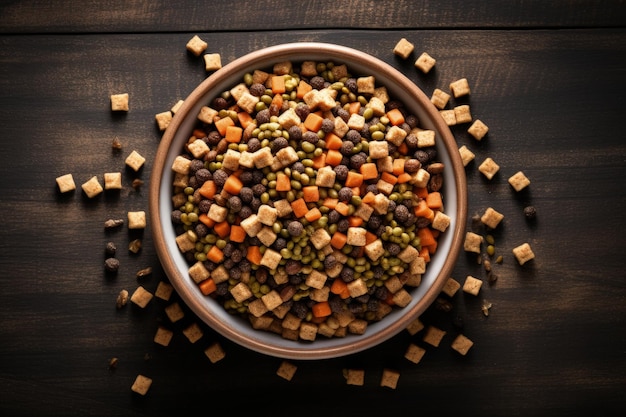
<point>548,78</point>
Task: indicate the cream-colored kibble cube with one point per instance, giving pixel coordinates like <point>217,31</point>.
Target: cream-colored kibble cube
<point>478,129</point>
<point>425,62</point>
<point>462,344</point>
<point>402,298</point>
<point>286,370</point>
<point>467,156</point>
<point>390,378</point>
<point>198,272</point>
<point>271,258</point>
<point>472,242</point>
<point>433,336</point>
<point>66,183</point>
<point>441,221</point>
<point>460,87</point>
<point>378,149</point>
<point>212,62</point>
<point>377,105</point>
<point>415,327</point>
<point>181,165</point>
<point>199,148</point>
<point>163,336</point>
<point>439,98</point>
<point>193,332</point>
<point>519,181</point>
<point>163,119</point>
<point>207,115</point>
<point>135,161</point>
<point>395,135</point>
<point>357,288</point>
<point>272,300</point>
<point>176,106</point>
<point>136,219</point>
<point>491,218</point>
<point>366,85</point>
<point>119,102</point>
<point>241,292</point>
<point>451,287</point>
<point>448,117</point>
<point>414,353</point>
<point>320,238</point>
<point>425,138</point>
<point>215,352</point>
<point>356,236</point>
<point>174,312</point>
<point>217,213</point>
<point>257,308</point>
<point>164,291</point>
<point>357,326</point>
<point>307,331</point>
<point>92,187</point>
<point>472,285</point>
<point>141,385</point>
<point>316,279</point>
<point>112,180</point>
<point>489,168</point>
<point>403,48</point>
<point>141,297</point>
<point>462,114</point>
<point>523,253</point>
<point>354,376</point>
<point>356,122</point>
<point>196,45</point>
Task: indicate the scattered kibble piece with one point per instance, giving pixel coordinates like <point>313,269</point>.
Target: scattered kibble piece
<point>196,45</point>
<point>467,156</point>
<point>472,242</point>
<point>92,187</point>
<point>164,291</point>
<point>215,352</point>
<point>478,129</point>
<point>135,161</point>
<point>174,312</point>
<point>111,265</point>
<point>110,249</point>
<point>403,48</point>
<point>116,144</point>
<point>519,181</point>
<point>425,62</point>
<point>112,180</point>
<point>439,98</point>
<point>136,219</point>
<point>462,114</point>
<point>141,297</point>
<point>485,307</point>
<point>460,87</point>
<point>530,212</point>
<point>137,183</point>
<point>112,223</point>
<point>163,336</point>
<point>523,253</point>
<point>141,385</point>
<point>462,344</point>
<point>113,363</point>
<point>176,106</point>
<point>193,332</point>
<point>489,168</point>
<point>491,218</point>
<point>66,183</point>
<point>122,299</point>
<point>448,117</point>
<point>415,326</point>
<point>433,335</point>
<point>163,119</point>
<point>472,285</point>
<point>414,353</point>
<point>451,287</point>
<point>390,378</point>
<point>286,370</point>
<point>119,102</point>
<point>134,245</point>
<point>354,376</point>
<point>144,272</point>
<point>212,62</point>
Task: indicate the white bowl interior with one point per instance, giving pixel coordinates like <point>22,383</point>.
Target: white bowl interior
<point>240,330</point>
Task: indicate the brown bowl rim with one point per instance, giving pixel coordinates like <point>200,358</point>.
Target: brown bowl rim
<point>358,343</point>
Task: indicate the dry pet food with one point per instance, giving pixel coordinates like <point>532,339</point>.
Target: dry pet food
<point>141,385</point>
<point>119,102</point>
<point>66,183</point>
<point>403,48</point>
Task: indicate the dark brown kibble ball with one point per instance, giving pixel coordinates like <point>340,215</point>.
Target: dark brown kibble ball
<point>112,264</point>
<point>530,212</point>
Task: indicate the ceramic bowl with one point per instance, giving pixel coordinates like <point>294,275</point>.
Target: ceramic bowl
<point>239,330</point>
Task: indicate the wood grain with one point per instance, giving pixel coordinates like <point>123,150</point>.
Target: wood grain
<point>553,343</point>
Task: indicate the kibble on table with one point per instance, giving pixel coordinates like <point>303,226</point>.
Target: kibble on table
<point>119,102</point>
<point>425,62</point>
<point>472,285</point>
<point>66,183</point>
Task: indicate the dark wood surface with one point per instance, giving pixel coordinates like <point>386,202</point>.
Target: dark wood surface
<point>548,78</point>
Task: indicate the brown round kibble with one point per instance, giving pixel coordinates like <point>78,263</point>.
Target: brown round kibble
<point>112,264</point>
<point>530,212</point>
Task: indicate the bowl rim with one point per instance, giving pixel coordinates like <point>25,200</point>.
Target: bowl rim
<point>263,58</point>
